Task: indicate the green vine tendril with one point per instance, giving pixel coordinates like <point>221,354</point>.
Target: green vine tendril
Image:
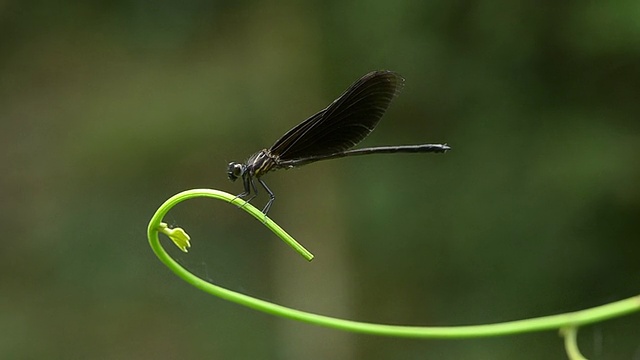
<point>567,323</point>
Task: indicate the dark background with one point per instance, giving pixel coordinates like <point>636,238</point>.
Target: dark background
<point>110,107</point>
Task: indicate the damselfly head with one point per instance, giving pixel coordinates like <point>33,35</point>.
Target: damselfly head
<point>235,170</point>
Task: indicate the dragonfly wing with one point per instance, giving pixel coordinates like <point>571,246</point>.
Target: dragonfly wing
<point>345,122</point>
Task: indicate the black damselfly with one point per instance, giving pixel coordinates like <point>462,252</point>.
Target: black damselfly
<point>330,134</point>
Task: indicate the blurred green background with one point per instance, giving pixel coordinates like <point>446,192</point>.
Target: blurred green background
<point>109,107</point>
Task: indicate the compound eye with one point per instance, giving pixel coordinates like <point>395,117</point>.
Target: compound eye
<point>234,171</point>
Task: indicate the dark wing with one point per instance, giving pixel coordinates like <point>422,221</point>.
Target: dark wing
<point>344,123</point>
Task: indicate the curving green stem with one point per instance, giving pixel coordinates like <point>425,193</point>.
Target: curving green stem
<point>180,237</point>
<point>570,335</point>
<point>570,320</point>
